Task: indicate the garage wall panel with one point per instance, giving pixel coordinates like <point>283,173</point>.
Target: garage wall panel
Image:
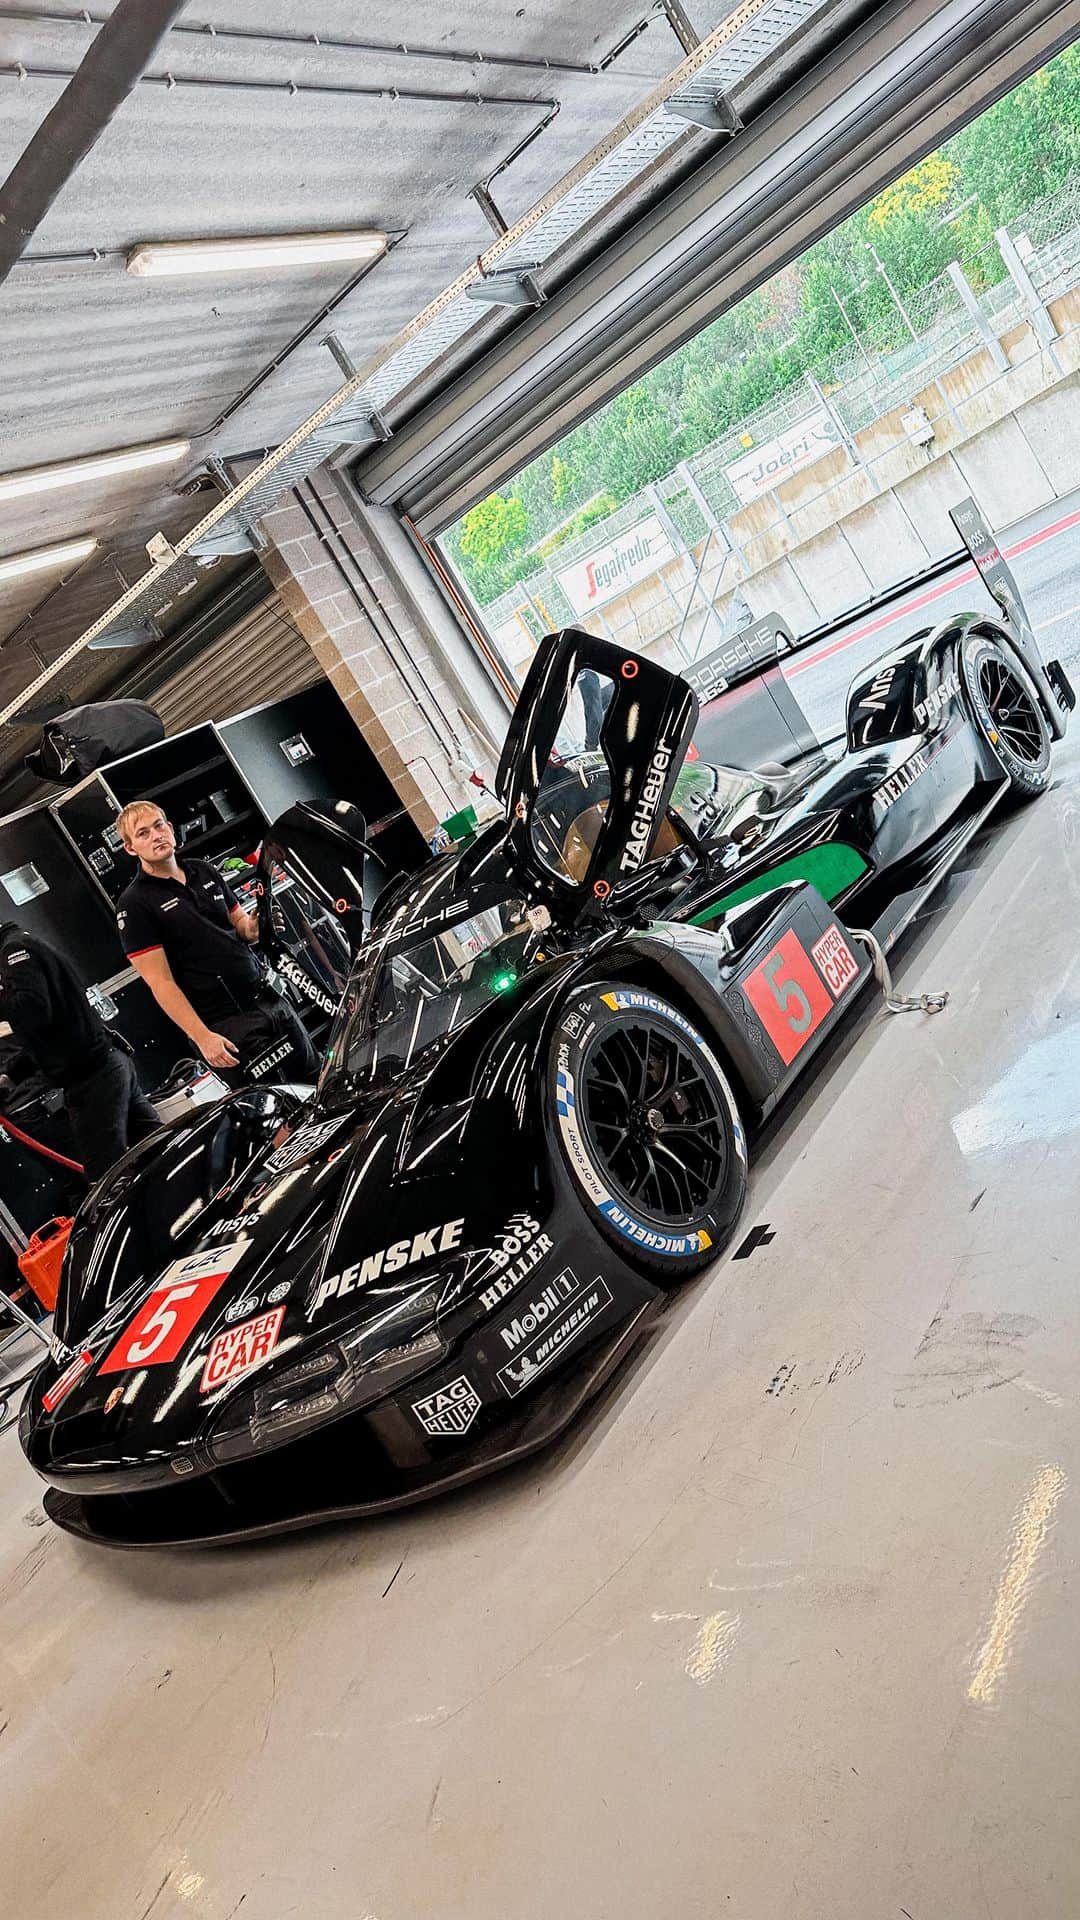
<point>262,657</point>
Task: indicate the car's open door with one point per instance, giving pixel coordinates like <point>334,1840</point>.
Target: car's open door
<point>316,884</point>
<point>594,746</point>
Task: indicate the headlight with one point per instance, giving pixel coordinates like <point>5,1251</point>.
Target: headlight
<point>342,1377</point>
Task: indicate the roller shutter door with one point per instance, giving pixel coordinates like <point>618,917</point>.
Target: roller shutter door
<point>262,657</point>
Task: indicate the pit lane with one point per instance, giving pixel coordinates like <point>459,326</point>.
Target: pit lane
<point>785,1626</point>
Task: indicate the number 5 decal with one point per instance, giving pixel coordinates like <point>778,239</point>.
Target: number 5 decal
<point>157,1329</point>
<point>172,1310</point>
<point>787,994</point>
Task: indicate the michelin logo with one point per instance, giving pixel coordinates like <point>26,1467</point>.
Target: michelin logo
<point>542,1331</point>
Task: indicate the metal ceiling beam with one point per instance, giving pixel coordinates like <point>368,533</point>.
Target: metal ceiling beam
<point>814,159</point>
<point>113,66</point>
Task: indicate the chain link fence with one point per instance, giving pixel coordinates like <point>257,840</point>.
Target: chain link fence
<point>901,345</point>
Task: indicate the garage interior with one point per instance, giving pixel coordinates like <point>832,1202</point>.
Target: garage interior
<point>810,1543</point>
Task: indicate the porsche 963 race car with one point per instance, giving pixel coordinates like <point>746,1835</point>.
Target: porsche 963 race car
<point>553,1047</point>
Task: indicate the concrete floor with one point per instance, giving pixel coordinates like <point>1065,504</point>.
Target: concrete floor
<point>785,1630</point>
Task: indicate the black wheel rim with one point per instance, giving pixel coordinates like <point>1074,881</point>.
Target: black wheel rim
<point>656,1123</point>
<point>1012,711</point>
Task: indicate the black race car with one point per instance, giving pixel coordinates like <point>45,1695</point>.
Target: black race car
<point>552,1047</point>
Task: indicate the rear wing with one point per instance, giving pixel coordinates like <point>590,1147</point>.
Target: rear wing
<point>997,576</point>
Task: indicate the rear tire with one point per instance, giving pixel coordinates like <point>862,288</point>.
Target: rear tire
<point>1005,708</point>
<point>649,1128</point>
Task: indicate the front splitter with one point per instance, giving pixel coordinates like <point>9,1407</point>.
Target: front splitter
<point>164,1520</point>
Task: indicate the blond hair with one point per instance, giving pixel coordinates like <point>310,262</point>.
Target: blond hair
<point>131,814</point>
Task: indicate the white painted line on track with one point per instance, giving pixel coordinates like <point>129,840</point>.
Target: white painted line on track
<point>1054,618</point>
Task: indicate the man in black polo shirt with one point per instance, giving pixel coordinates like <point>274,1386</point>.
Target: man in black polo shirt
<point>51,1019</point>
<point>185,932</point>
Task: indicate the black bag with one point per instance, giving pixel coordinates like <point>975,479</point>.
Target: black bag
<point>77,742</point>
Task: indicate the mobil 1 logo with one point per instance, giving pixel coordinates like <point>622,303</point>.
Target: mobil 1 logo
<point>545,1325</point>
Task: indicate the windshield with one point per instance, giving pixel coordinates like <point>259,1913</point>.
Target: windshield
<point>400,1003</point>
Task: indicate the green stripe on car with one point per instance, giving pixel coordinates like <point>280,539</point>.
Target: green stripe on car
<point>832,869</point>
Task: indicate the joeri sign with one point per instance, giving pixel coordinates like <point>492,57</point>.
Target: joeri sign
<point>621,563</point>
<point>764,467</point>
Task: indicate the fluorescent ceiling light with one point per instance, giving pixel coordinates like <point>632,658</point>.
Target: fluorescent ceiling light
<point>251,256</point>
<point>44,558</point>
<point>97,466</point>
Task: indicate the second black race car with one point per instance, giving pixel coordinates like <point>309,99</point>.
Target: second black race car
<point>553,1046</point>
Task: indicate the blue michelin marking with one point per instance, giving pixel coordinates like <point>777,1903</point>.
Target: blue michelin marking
<point>564,1093</point>
<point>665,1243</point>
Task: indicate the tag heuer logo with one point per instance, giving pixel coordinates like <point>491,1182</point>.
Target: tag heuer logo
<point>449,1412</point>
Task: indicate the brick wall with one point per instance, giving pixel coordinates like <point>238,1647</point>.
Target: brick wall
<point>373,644</point>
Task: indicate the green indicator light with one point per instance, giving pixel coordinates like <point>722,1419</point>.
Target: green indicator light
<point>502,982</point>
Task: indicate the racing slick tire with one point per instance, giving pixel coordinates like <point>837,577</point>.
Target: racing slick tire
<point>648,1126</point>
<point>1006,710</point>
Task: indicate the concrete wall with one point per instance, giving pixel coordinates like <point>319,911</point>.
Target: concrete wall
<point>836,533</point>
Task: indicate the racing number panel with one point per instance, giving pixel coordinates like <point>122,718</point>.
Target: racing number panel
<point>792,988</point>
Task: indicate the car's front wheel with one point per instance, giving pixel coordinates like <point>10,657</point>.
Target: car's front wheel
<point>649,1127</point>
<point>1007,712</point>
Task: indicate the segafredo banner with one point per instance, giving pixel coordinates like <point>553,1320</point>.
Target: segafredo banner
<point>621,563</point>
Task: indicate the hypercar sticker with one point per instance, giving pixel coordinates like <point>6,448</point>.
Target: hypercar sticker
<point>450,1411</point>
<point>51,1399</point>
<point>403,1253</point>
<point>544,1329</point>
<point>238,1349</point>
<point>835,961</point>
<point>173,1309</point>
<point>787,995</point>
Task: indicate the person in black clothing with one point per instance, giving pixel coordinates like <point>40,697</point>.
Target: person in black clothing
<point>595,699</point>
<point>185,932</point>
<point>51,1019</point>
